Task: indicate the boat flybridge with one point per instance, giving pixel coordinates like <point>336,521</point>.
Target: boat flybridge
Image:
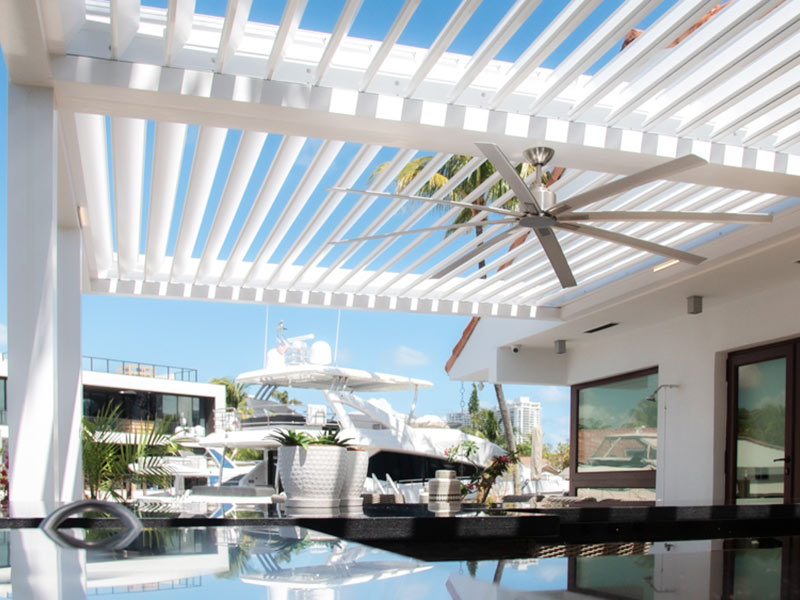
<point>404,451</point>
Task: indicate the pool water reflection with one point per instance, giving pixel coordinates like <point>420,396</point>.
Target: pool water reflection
<point>293,563</point>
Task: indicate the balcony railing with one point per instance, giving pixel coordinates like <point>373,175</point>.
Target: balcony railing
<point>139,369</point>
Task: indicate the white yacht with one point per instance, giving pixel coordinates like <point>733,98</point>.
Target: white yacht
<point>404,451</point>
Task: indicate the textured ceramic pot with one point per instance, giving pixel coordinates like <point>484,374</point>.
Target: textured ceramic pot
<point>444,493</point>
<point>312,477</point>
<point>355,474</point>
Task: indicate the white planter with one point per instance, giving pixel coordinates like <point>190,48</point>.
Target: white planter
<point>312,478</point>
<point>354,477</point>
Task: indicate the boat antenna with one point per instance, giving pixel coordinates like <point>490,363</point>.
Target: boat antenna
<point>336,342</point>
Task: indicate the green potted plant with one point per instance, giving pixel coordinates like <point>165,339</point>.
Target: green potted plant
<point>312,471</point>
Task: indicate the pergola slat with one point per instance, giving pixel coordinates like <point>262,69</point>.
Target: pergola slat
<point>167,154</point>
<point>128,146</point>
<point>555,33</point>
<point>290,21</point>
<point>399,24</point>
<point>690,53</point>
<point>282,163</point>
<point>313,175</point>
<point>250,146</point>
<point>346,18</point>
<point>236,15</point>
<point>495,41</point>
<point>179,26</point>
<point>210,142</point>
<point>592,48</point>
<point>770,31</point>
<point>91,137</point>
<point>652,41</point>
<point>440,44</point>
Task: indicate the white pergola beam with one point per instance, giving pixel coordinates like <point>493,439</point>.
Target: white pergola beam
<point>346,18</point>
<point>179,26</point>
<point>399,24</point>
<point>124,25</point>
<point>167,155</point>
<point>250,146</point>
<point>210,142</point>
<point>290,21</point>
<point>441,43</point>
<point>236,15</point>
<point>128,147</point>
<point>592,48</point>
<point>62,19</point>
<point>299,110</point>
<point>321,299</point>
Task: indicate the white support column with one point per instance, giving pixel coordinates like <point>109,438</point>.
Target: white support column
<point>43,431</point>
<point>69,385</point>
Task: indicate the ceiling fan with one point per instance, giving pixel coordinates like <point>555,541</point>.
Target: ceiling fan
<point>539,211</point>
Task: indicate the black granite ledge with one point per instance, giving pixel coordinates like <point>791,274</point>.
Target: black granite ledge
<point>412,530</point>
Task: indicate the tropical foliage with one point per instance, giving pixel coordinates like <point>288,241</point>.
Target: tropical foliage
<point>483,479</point>
<point>283,397</point>
<point>293,437</point>
<point>108,466</point>
<point>235,396</point>
<point>484,424</point>
<point>558,457</point>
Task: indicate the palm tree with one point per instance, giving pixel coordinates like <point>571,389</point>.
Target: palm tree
<point>283,398</point>
<point>235,396</point>
<point>476,178</point>
<point>107,463</point>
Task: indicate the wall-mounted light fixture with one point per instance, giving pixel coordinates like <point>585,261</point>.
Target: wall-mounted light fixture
<point>561,346</point>
<point>694,305</point>
<point>83,217</point>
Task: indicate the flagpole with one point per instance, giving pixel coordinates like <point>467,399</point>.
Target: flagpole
<point>266,333</point>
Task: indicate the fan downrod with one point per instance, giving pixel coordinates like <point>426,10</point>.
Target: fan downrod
<point>538,156</point>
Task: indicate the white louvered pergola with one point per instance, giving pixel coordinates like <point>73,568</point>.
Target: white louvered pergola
<point>191,154</point>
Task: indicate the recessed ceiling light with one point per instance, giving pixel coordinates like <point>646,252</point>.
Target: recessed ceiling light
<point>601,327</point>
<point>665,265</point>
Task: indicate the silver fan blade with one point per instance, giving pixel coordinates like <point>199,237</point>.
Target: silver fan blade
<point>663,171</point>
<point>666,215</point>
<point>423,230</point>
<point>555,255</point>
<point>475,207</point>
<point>626,240</point>
<point>492,241</point>
<point>509,173</point>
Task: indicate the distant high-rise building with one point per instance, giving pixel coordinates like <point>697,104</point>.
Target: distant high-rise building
<point>525,415</point>
<point>458,419</point>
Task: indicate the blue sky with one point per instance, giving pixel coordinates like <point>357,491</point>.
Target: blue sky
<point>222,339</point>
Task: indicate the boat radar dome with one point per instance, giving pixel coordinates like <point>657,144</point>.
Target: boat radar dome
<point>320,353</point>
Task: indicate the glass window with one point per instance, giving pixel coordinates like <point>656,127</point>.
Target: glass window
<point>614,436</point>
<point>617,425</point>
<point>169,406</point>
<point>185,411</point>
